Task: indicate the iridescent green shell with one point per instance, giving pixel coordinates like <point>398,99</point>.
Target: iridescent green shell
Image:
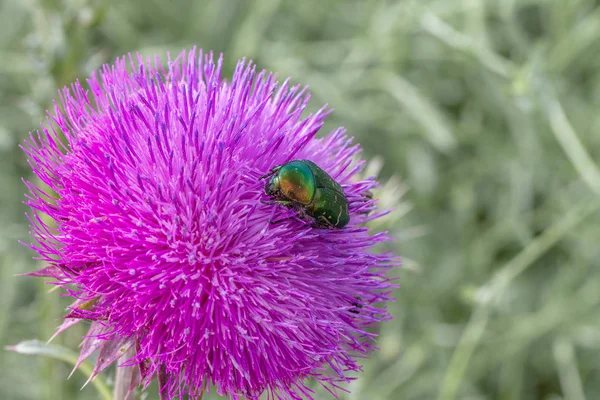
<point>329,207</point>
<point>297,182</point>
<point>303,185</point>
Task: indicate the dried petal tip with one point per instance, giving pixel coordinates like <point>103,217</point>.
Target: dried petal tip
<point>151,180</point>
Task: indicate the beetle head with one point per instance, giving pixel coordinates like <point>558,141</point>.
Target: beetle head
<point>272,186</point>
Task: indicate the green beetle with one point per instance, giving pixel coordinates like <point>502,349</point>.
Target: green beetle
<point>304,186</point>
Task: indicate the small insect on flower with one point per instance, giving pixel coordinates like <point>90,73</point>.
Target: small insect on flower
<point>304,186</point>
<point>357,305</point>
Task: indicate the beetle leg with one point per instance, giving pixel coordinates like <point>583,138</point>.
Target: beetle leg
<point>304,217</point>
<point>302,214</point>
<point>280,202</point>
<point>300,217</point>
<point>324,223</point>
<point>278,221</point>
<point>268,202</point>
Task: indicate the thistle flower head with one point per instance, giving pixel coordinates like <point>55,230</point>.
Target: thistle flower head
<point>155,226</point>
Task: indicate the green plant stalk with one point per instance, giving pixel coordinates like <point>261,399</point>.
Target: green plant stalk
<point>35,347</point>
<point>123,377</point>
<point>492,291</point>
<point>48,307</point>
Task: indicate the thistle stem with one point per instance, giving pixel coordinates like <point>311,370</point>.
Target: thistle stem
<point>124,377</point>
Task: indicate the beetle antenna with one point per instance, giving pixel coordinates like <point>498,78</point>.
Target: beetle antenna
<point>265,176</point>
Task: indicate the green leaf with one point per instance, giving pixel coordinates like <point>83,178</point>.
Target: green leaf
<point>35,347</point>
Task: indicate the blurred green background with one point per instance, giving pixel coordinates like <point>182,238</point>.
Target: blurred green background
<point>486,111</point>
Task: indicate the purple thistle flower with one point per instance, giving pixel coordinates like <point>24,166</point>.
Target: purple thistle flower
<point>159,234</point>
